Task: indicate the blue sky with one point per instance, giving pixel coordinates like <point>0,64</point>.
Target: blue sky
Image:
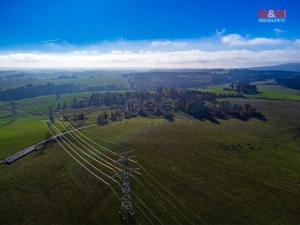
<point>135,29</point>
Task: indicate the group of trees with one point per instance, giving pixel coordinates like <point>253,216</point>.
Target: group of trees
<point>103,119</point>
<point>197,78</point>
<point>224,109</point>
<point>60,106</point>
<point>63,77</point>
<point>101,99</point>
<point>173,79</point>
<point>74,117</point>
<point>240,87</point>
<point>200,105</point>
<point>117,99</point>
<point>163,102</point>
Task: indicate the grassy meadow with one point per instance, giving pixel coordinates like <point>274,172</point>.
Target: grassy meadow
<point>19,134</point>
<point>235,172</point>
<point>266,90</point>
<point>91,80</point>
<point>276,92</point>
<point>218,89</point>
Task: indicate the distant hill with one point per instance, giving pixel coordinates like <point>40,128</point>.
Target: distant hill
<point>295,67</point>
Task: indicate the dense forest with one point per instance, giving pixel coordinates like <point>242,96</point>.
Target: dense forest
<point>239,80</point>
<point>291,81</point>
<point>30,91</point>
<point>113,98</point>
<point>188,79</point>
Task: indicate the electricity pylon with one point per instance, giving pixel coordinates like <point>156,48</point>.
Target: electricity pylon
<point>126,210</point>
<point>13,111</point>
<point>50,117</point>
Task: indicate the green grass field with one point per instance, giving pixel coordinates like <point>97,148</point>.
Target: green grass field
<point>21,133</point>
<point>218,89</point>
<point>267,90</point>
<point>90,80</point>
<point>15,135</point>
<point>28,129</point>
<point>236,172</point>
<point>276,92</point>
<point>42,103</point>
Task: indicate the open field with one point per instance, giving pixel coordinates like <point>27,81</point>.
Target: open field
<point>91,80</point>
<point>15,135</point>
<point>232,173</point>
<point>267,90</point>
<point>276,92</point>
<point>19,134</point>
<point>149,112</point>
<point>27,129</point>
<point>42,103</point>
<point>218,89</point>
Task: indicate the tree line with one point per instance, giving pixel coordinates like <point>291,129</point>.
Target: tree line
<point>201,105</point>
<point>30,90</point>
<point>241,87</point>
<point>291,81</point>
<point>113,98</point>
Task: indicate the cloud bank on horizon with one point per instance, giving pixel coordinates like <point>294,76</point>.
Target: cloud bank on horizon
<point>220,51</point>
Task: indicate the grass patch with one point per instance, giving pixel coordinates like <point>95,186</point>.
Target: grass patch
<point>42,103</point>
<point>218,89</point>
<point>19,134</point>
<point>276,92</point>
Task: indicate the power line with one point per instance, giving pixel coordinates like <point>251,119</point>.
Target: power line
<point>63,147</point>
<point>143,213</point>
<point>106,175</point>
<point>112,152</point>
<point>165,189</point>
<point>159,202</point>
<point>134,177</point>
<point>102,154</point>
<point>126,186</point>
<point>123,187</point>
<point>99,178</point>
<point>109,165</point>
<point>144,204</point>
<point>156,199</point>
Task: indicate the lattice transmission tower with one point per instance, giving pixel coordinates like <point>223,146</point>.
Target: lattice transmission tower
<point>126,210</point>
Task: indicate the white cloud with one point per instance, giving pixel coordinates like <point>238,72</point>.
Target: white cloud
<point>221,51</point>
<point>150,59</point>
<point>297,42</point>
<point>278,30</point>
<point>238,40</point>
<point>51,41</point>
<point>168,43</point>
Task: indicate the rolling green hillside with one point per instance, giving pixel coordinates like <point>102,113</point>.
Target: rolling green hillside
<point>233,173</point>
